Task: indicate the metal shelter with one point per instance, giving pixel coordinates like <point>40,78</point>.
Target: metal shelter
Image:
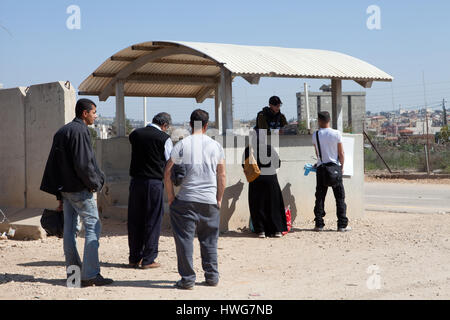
<point>206,70</point>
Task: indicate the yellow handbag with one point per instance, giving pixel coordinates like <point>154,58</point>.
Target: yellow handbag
<point>251,169</point>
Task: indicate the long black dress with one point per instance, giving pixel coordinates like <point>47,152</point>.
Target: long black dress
<point>265,199</point>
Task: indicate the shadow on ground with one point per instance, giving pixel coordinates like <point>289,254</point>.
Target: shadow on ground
<point>21,278</point>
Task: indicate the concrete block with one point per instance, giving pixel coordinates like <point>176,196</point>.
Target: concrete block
<point>26,223</point>
<point>12,147</point>
<point>47,108</point>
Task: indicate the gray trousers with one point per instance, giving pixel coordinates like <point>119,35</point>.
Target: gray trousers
<point>185,218</point>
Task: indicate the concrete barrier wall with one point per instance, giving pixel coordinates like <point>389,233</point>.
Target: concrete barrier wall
<point>30,119</point>
<point>47,108</point>
<point>298,191</point>
<point>12,147</point>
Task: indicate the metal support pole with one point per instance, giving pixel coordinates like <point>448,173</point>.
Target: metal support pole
<point>308,123</point>
<point>120,108</point>
<point>145,111</point>
<point>226,97</point>
<point>336,107</point>
<point>218,108</point>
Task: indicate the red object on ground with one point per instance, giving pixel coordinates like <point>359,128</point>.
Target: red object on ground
<point>288,220</point>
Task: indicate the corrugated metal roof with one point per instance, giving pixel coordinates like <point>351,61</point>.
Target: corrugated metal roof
<point>150,79</point>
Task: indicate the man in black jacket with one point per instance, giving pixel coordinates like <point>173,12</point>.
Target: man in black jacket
<point>270,118</point>
<point>150,150</point>
<point>72,175</point>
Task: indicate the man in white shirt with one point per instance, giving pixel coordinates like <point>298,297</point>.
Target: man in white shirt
<point>329,149</point>
<point>197,204</point>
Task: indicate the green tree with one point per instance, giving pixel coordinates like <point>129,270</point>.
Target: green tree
<point>444,135</point>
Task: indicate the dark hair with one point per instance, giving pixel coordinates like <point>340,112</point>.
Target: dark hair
<point>162,118</point>
<point>199,115</point>
<point>83,104</point>
<point>274,101</point>
<point>324,116</point>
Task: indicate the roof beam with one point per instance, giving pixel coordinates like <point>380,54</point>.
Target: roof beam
<point>141,61</point>
<point>365,84</point>
<point>169,61</point>
<point>163,78</point>
<point>139,94</point>
<point>252,79</point>
<point>204,93</point>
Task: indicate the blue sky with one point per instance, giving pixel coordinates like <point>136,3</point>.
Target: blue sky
<point>36,47</point>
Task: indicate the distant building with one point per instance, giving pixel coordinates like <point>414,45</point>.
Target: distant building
<point>353,107</point>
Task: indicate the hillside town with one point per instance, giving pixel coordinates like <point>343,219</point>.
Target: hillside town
<point>404,123</point>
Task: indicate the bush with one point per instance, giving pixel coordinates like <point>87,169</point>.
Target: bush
<point>407,156</point>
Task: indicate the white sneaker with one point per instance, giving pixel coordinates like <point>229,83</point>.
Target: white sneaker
<point>261,235</point>
<point>278,235</point>
<point>345,229</point>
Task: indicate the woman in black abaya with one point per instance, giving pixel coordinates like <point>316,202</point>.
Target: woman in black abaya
<point>265,199</point>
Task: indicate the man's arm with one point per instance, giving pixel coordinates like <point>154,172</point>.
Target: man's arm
<point>341,155</point>
<point>221,182</point>
<point>168,182</point>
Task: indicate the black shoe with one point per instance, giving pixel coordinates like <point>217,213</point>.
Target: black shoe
<point>98,281</point>
<point>180,285</point>
<point>212,283</point>
<point>318,229</point>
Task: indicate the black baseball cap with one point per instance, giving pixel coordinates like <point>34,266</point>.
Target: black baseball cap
<point>275,101</point>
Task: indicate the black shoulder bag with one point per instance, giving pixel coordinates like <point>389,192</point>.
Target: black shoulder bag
<point>332,173</point>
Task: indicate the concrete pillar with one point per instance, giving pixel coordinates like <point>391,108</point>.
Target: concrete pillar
<point>226,95</point>
<point>349,113</point>
<point>120,108</point>
<point>336,104</point>
<point>218,108</point>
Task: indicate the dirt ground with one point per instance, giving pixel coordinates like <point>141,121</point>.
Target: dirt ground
<point>411,254</point>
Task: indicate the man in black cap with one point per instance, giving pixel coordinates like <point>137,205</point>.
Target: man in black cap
<point>72,175</point>
<point>270,117</point>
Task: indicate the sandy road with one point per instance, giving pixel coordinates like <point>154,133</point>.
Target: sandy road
<point>411,253</point>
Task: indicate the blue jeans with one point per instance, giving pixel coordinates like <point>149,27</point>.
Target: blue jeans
<point>82,204</point>
<point>186,217</point>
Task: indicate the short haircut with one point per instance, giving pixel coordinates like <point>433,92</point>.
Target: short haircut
<point>83,104</point>
<point>199,115</point>
<point>275,100</point>
<point>324,116</point>
<point>162,118</point>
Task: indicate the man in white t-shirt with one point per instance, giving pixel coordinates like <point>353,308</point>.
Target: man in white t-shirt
<point>197,204</point>
<point>329,149</point>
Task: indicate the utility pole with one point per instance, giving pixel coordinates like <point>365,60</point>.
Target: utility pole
<point>427,151</point>
<point>445,112</point>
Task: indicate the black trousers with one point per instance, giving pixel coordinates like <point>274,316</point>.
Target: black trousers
<point>145,211</point>
<point>339,195</point>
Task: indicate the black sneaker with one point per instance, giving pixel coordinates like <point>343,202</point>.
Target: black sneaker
<point>318,229</point>
<point>180,285</point>
<point>98,281</point>
<point>212,283</point>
